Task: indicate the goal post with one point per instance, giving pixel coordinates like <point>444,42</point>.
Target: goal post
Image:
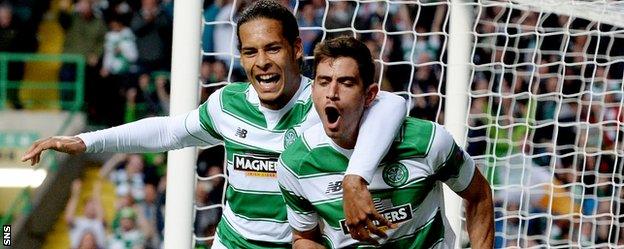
<point>532,89</point>
<point>186,56</point>
<point>458,80</point>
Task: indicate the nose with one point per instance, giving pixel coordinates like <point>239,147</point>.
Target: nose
<point>262,61</point>
<point>332,91</point>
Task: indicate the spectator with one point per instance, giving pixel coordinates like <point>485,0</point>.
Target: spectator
<point>149,209</point>
<point>90,228</point>
<point>120,54</point>
<point>120,50</point>
<point>309,37</point>
<point>88,241</point>
<point>12,40</point>
<point>211,9</point>
<point>152,28</point>
<point>163,91</point>
<point>128,234</point>
<point>224,37</point>
<point>84,35</point>
<point>128,179</point>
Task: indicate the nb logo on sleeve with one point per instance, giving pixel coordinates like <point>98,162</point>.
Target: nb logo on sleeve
<point>334,187</point>
<point>240,132</point>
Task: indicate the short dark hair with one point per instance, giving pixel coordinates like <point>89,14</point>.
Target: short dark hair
<point>271,10</point>
<point>347,47</point>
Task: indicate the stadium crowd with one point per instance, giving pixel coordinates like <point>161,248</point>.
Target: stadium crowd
<point>557,116</point>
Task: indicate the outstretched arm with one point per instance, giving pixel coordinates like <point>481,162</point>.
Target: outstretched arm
<point>379,126</point>
<point>479,212</point>
<point>147,135</point>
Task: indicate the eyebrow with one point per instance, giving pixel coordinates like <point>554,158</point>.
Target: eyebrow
<point>347,78</point>
<point>275,43</point>
<point>324,77</point>
<point>339,79</point>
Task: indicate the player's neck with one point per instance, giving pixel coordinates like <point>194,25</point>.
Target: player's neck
<point>347,141</point>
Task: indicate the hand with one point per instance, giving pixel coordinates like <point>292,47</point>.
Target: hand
<point>360,212</point>
<point>65,144</point>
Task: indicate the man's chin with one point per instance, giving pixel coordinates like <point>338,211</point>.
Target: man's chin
<point>331,133</point>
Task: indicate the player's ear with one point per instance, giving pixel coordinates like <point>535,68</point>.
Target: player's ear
<point>371,93</point>
<point>298,48</point>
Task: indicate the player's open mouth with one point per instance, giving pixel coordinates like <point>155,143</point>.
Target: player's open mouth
<point>268,80</point>
<point>333,116</point>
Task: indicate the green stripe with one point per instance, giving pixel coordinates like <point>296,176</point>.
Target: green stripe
<point>292,156</point>
<point>251,206</point>
<point>325,160</point>
<point>232,239</point>
<point>295,202</point>
<point>415,193</point>
<point>426,236</point>
<point>232,147</point>
<point>415,141</point>
<point>295,115</point>
<point>234,102</point>
<point>298,159</point>
<point>452,164</point>
<point>206,122</point>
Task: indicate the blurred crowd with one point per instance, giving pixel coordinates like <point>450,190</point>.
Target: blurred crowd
<point>544,104</point>
<point>139,191</point>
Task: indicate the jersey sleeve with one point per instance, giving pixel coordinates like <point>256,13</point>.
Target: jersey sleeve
<point>155,134</point>
<point>301,214</point>
<point>379,127</point>
<point>451,164</point>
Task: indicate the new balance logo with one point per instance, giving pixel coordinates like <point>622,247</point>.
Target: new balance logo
<point>240,132</point>
<point>334,187</point>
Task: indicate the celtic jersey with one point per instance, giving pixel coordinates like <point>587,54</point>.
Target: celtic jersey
<point>406,187</point>
<point>253,139</point>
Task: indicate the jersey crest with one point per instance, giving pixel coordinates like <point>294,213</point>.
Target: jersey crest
<point>289,137</point>
<point>395,174</point>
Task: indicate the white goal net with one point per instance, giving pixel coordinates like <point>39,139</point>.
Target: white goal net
<point>544,101</point>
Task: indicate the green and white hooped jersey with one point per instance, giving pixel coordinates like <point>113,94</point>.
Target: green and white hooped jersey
<point>254,138</point>
<point>406,188</point>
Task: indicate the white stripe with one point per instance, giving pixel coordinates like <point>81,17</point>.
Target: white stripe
<point>258,230</point>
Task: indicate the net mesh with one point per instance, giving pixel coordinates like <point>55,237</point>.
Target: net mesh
<point>545,102</point>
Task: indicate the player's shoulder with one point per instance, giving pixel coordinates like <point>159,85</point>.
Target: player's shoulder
<point>298,152</point>
<point>236,88</point>
<point>420,138</point>
<point>231,96</point>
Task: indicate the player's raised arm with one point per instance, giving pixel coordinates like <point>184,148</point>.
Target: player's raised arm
<point>154,134</point>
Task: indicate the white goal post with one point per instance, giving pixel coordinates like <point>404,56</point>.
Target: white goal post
<point>534,85</point>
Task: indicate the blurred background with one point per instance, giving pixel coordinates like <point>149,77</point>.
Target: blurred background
<point>544,118</point>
